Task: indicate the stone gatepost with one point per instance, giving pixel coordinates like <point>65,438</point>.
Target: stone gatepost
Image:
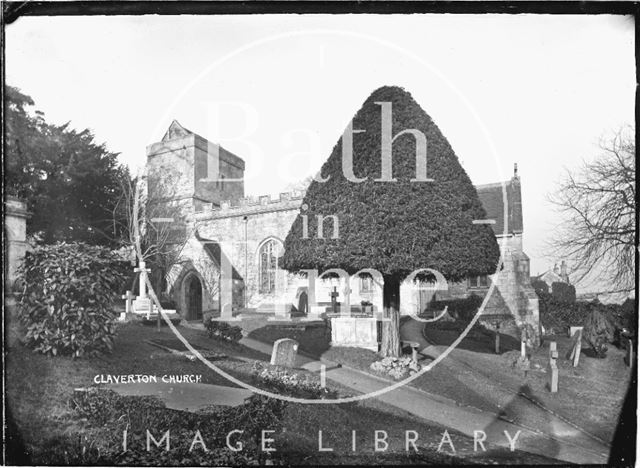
<point>15,241</point>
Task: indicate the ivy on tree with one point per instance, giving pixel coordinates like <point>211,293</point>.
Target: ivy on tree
<point>398,226</point>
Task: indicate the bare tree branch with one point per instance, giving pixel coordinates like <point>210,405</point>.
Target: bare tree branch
<point>597,235</point>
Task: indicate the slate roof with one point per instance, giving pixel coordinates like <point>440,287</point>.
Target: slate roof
<point>493,202</point>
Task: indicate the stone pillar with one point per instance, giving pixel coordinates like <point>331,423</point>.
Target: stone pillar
<point>15,241</point>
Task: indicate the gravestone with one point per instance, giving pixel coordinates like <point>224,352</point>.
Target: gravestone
<point>128,297</point>
<point>553,367</point>
<point>576,346</point>
<point>334,300</point>
<point>284,352</point>
<point>142,303</point>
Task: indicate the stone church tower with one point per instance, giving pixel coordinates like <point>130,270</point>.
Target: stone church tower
<point>188,172</point>
<point>200,184</point>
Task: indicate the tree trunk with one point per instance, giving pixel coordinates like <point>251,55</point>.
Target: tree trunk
<point>390,346</point>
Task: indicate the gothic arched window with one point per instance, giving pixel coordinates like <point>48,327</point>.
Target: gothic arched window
<point>268,258</point>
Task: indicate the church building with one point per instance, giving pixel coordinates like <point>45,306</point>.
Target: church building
<point>201,185</point>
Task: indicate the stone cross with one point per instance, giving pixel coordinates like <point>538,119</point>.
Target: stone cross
<point>284,352</point>
<point>143,278</point>
<point>553,367</point>
<point>128,297</point>
<point>334,302</point>
<point>576,347</point>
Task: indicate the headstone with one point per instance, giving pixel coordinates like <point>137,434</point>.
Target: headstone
<point>142,303</point>
<point>284,352</point>
<point>334,300</point>
<point>576,347</point>
<point>128,297</point>
<point>572,330</point>
<point>553,367</point>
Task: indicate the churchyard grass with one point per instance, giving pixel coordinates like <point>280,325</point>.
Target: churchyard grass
<point>590,396</point>
<point>45,385</point>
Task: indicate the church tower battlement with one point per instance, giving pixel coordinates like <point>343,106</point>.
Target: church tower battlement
<point>253,205</point>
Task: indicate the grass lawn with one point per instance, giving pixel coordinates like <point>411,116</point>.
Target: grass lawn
<point>39,389</point>
<point>590,396</point>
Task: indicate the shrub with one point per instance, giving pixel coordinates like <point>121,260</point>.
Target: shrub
<point>290,383</point>
<point>114,413</point>
<point>67,297</point>
<point>563,292</point>
<point>597,332</point>
<point>540,286</point>
<point>464,308</point>
<point>223,330</point>
<point>396,368</point>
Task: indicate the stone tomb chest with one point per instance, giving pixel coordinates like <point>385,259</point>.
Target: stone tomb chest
<point>360,331</point>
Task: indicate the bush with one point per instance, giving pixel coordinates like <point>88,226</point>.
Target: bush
<point>223,330</point>
<point>563,292</point>
<point>540,286</point>
<point>290,383</point>
<point>464,308</point>
<point>67,297</point>
<point>396,368</point>
<point>597,332</point>
<point>113,413</point>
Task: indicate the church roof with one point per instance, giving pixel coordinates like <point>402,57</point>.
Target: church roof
<point>493,202</point>
<point>175,131</point>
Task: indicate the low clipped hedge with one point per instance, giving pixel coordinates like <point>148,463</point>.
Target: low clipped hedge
<point>290,382</point>
<point>563,292</point>
<point>464,308</point>
<point>217,329</point>
<point>67,298</point>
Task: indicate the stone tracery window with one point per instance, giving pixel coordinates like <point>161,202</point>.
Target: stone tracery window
<point>268,265</point>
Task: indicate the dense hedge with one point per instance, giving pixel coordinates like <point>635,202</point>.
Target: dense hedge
<point>290,382</point>
<point>67,297</point>
<point>563,292</point>
<point>223,330</point>
<point>464,308</point>
<point>602,322</point>
<point>540,286</point>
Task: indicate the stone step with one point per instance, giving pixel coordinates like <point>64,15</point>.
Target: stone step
<point>270,307</point>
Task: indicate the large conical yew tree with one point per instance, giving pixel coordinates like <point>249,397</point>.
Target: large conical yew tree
<point>395,226</point>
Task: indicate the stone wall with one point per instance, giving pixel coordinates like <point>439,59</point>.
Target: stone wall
<point>193,169</point>
<point>242,226</point>
<point>15,241</point>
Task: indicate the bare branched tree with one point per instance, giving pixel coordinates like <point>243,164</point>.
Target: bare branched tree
<point>159,224</point>
<point>598,203</point>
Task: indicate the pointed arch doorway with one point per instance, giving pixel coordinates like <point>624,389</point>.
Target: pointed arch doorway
<point>193,297</point>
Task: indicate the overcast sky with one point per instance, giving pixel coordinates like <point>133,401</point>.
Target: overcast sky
<point>536,90</point>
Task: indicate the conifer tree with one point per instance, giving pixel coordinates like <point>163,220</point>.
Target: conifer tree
<point>395,226</point>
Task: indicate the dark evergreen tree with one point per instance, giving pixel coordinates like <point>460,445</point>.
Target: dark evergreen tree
<point>396,226</point>
<point>71,183</point>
